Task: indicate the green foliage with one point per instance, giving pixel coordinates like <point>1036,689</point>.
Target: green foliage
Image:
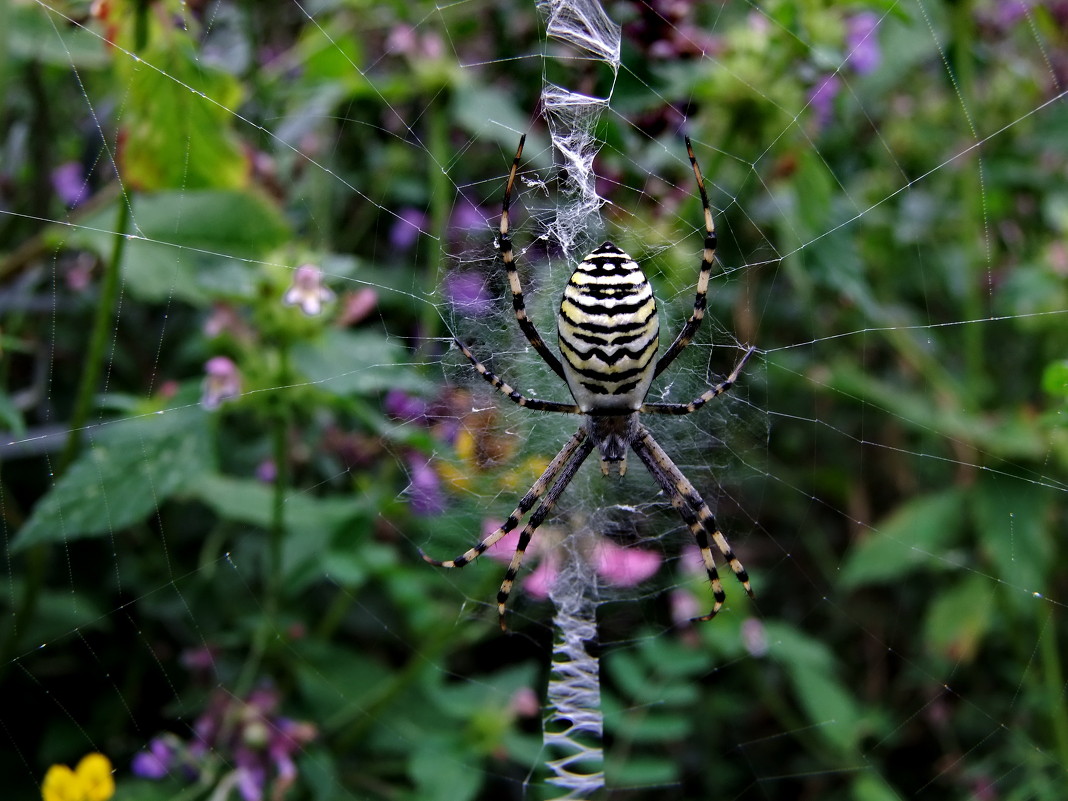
<point>256,476</point>
<point>120,480</point>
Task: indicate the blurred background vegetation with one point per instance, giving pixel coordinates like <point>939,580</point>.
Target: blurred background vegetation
<point>234,238</point>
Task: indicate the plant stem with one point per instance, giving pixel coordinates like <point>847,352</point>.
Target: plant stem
<point>438,183</point>
<point>37,556</point>
<point>1051,667</point>
<point>103,321</point>
<point>272,572</point>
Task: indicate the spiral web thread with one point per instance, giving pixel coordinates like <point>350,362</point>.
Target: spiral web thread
<point>573,725</point>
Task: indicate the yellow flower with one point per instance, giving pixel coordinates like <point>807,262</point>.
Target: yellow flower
<point>90,781</point>
<point>94,770</point>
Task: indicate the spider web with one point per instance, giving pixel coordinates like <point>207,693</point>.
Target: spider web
<point>234,582</point>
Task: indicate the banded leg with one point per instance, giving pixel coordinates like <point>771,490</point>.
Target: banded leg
<point>694,512</point>
<point>707,257</point>
<point>567,473</point>
<point>512,394</point>
<point>574,445</point>
<point>504,242</point>
<point>697,403</point>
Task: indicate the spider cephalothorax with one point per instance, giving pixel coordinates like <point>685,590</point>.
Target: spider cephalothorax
<point>608,334</point>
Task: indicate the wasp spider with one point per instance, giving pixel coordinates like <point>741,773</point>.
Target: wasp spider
<point>608,333</point>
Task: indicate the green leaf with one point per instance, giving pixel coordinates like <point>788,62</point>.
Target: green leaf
<point>443,772</point>
<point>1012,518</point>
<point>907,541</point>
<point>357,363</point>
<point>638,771</point>
<point>310,521</point>
<point>121,480</point>
<point>1055,379</point>
<point>1002,436</point>
<point>192,245</point>
<point>959,617</point>
<point>871,786</point>
<point>829,706</point>
<point>327,672</point>
<point>10,417</point>
<point>176,120</point>
<point>38,33</point>
<point>812,670</point>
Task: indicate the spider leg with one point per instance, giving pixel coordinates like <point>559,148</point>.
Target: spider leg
<point>573,445</point>
<point>513,395</point>
<point>701,300</point>
<point>694,511</point>
<point>567,472</point>
<point>697,403</point>
<point>504,242</point>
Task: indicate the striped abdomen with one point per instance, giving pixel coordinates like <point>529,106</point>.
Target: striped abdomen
<point>608,331</point>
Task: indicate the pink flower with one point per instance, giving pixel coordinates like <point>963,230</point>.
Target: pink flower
<point>684,607</point>
<point>624,567</point>
<point>222,382</point>
<point>616,565</point>
<point>356,306</point>
<point>524,702</point>
<point>307,290</point>
<point>754,637</point>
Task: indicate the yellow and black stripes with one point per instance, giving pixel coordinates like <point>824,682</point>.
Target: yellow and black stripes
<point>698,402</point>
<point>694,512</point>
<point>504,243</point>
<point>707,257</point>
<point>576,456</point>
<point>512,394</point>
<point>608,331</point>
<point>555,478</point>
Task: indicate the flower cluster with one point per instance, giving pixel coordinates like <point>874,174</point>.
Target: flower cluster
<point>863,56</point>
<point>473,435</point>
<point>91,780</point>
<point>236,743</point>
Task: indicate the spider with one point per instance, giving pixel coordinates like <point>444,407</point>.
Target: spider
<point>608,334</point>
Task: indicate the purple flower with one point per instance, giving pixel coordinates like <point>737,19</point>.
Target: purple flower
<point>1008,12</point>
<point>250,782</point>
<point>403,406</point>
<point>68,181</point>
<point>862,43</point>
<point>407,226</point>
<point>247,734</point>
<point>307,290</point>
<point>267,471</point>
<point>468,217</point>
<point>821,98</point>
<point>467,294</point>
<point>156,762</point>
<point>222,382</point>
<point>425,487</point>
